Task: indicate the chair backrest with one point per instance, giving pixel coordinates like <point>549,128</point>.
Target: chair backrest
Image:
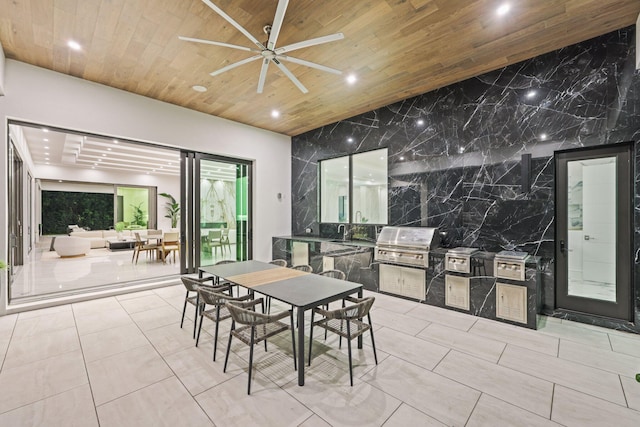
<point>336,274</point>
<point>354,311</point>
<point>224,232</point>
<point>154,232</point>
<point>215,234</point>
<point>303,267</point>
<point>138,238</point>
<point>279,262</point>
<point>244,312</point>
<point>189,283</point>
<point>212,297</point>
<point>171,237</point>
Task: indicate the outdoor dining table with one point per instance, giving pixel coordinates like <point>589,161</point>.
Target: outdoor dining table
<point>302,290</point>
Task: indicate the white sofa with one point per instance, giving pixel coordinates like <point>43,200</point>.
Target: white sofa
<point>98,238</point>
<point>67,246</point>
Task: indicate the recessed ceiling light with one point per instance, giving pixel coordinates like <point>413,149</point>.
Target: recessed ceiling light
<point>115,141</point>
<point>95,164</point>
<point>46,158</point>
<point>543,136</point>
<point>531,94</point>
<point>45,130</point>
<point>46,147</point>
<point>351,79</point>
<point>401,158</point>
<point>46,140</point>
<point>420,122</point>
<point>275,114</point>
<point>503,9</point>
<point>199,88</point>
<point>104,155</point>
<point>59,180</point>
<point>99,160</point>
<point>74,45</point>
<point>349,139</point>
<point>108,149</point>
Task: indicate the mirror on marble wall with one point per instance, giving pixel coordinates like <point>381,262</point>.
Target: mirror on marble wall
<point>370,187</point>
<point>334,190</point>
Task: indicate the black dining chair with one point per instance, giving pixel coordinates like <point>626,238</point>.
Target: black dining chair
<point>346,323</point>
<point>251,327</point>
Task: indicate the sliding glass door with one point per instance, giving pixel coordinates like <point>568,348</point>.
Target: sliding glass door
<point>217,195</point>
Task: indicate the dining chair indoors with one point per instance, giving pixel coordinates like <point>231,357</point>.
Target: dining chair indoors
<point>170,244</point>
<point>142,246</point>
<point>251,327</point>
<point>215,242</point>
<point>224,239</point>
<point>346,323</point>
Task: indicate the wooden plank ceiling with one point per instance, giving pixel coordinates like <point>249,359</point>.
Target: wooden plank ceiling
<point>396,48</point>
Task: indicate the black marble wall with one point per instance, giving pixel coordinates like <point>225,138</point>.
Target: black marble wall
<point>455,153</point>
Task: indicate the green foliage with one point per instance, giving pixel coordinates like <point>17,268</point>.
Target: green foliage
<point>3,265</point>
<point>173,209</point>
<point>138,215</point>
<point>119,226</point>
<point>62,208</point>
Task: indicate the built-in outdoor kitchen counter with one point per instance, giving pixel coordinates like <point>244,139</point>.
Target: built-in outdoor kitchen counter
<point>353,257</point>
<point>505,298</point>
<point>512,297</point>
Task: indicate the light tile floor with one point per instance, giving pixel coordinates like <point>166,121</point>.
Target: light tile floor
<point>124,361</point>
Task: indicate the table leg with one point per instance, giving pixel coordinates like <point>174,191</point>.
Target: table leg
<point>301,359</point>
<point>360,295</point>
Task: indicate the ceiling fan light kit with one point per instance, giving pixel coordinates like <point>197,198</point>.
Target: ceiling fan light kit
<point>268,52</point>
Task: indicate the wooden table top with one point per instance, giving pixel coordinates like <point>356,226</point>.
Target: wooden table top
<point>257,278</point>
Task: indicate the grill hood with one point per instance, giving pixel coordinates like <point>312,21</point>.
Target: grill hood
<point>413,238</point>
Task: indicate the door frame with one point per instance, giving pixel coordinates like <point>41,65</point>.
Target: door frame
<point>190,162</point>
<point>622,309</point>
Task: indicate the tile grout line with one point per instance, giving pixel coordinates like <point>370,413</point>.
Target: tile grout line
<point>4,357</point>
<point>475,405</point>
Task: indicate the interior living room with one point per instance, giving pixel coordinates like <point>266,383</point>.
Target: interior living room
<point>430,211</point>
<point>120,193</point>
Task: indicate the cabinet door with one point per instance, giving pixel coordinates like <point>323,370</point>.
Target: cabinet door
<point>511,302</point>
<point>456,292</point>
<point>299,253</point>
<point>414,283</point>
<point>390,279</point>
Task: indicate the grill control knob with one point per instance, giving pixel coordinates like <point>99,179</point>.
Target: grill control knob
<point>514,267</point>
<point>503,266</point>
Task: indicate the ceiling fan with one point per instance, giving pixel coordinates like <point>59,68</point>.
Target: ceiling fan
<point>270,53</point>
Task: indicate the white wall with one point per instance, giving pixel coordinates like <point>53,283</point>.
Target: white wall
<point>45,97</point>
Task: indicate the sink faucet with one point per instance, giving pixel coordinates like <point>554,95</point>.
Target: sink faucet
<point>345,231</point>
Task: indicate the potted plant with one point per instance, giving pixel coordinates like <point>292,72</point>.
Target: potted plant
<point>138,215</point>
<point>119,229</point>
<point>172,208</point>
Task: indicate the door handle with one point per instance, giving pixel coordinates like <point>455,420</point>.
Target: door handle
<point>562,246</point>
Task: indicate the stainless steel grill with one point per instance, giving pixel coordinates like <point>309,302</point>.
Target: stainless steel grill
<point>406,245</point>
<point>459,259</point>
<point>510,265</point>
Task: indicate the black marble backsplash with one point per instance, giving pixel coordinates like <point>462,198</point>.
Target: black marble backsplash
<point>455,154</point>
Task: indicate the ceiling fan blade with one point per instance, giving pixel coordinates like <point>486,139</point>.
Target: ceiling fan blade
<point>310,42</point>
<point>309,64</point>
<point>289,74</point>
<point>230,20</point>
<point>235,64</point>
<point>263,74</point>
<point>232,46</point>
<point>277,24</point>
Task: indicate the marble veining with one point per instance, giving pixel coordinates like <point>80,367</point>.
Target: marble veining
<point>455,154</point>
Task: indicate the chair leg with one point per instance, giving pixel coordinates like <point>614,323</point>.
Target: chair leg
<point>226,357</point>
<point>310,339</point>
<point>253,330</point>
<point>293,341</point>
<point>215,338</point>
<point>373,342</point>
<point>199,329</point>
<point>349,346</point>
<point>195,318</point>
<point>184,309</point>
